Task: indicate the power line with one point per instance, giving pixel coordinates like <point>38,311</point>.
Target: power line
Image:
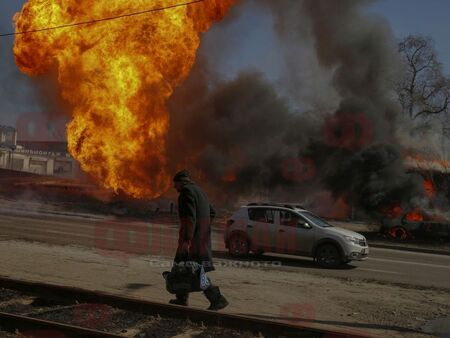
<point>103,19</point>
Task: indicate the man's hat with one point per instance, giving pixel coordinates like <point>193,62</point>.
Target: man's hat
<point>182,176</point>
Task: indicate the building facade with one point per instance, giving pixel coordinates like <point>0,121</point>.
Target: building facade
<point>42,158</point>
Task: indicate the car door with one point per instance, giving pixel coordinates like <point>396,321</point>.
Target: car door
<point>261,228</point>
<point>295,235</point>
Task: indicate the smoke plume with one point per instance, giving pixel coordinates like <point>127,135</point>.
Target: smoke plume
<point>243,137</point>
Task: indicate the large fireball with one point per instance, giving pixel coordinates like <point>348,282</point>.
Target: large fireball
<point>117,75</point>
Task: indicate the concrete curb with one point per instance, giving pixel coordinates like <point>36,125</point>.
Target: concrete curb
<point>404,248</point>
<point>22,212</point>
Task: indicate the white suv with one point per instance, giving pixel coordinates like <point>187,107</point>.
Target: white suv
<point>290,229</point>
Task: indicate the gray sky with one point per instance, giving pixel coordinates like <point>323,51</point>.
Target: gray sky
<point>249,43</point>
<point>426,17</point>
<point>16,91</point>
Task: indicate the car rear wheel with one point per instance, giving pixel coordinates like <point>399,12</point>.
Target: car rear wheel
<point>238,245</point>
<point>328,256</point>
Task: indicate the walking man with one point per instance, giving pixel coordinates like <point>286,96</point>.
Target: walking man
<point>194,239</point>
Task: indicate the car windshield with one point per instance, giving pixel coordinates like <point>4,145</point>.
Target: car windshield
<point>316,220</point>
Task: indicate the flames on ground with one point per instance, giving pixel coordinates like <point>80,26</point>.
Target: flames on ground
<point>118,76</point>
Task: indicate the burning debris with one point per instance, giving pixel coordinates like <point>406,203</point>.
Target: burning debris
<point>430,217</point>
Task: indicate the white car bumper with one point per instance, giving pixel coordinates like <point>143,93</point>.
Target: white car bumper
<point>357,253</point>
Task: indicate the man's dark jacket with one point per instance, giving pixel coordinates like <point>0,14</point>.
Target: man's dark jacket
<point>196,215</point>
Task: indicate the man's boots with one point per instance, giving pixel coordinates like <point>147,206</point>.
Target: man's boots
<point>215,298</point>
<point>180,300</point>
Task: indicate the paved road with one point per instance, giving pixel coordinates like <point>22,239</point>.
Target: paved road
<point>384,265</point>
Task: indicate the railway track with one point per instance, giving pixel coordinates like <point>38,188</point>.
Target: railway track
<point>32,327</point>
<point>85,313</point>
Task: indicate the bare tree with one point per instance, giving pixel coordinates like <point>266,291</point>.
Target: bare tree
<point>423,90</point>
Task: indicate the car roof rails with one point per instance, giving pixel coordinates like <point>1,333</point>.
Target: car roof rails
<point>283,205</point>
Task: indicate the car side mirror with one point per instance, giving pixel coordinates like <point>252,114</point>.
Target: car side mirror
<point>304,225</point>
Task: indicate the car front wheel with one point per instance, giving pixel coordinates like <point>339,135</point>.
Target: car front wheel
<point>238,245</point>
<point>328,256</point>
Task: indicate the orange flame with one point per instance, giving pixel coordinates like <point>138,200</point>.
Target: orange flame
<point>414,216</point>
<point>118,76</point>
<point>394,211</point>
<point>427,163</point>
<point>429,188</point>
<point>229,177</point>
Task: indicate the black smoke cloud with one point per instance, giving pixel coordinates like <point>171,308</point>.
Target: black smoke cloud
<point>363,53</point>
<point>239,135</point>
<point>242,128</point>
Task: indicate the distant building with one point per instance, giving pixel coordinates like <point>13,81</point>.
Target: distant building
<point>43,158</point>
<point>8,136</point>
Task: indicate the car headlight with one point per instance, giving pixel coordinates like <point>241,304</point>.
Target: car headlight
<point>352,239</point>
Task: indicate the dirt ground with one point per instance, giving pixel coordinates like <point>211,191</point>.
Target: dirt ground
<point>272,292</point>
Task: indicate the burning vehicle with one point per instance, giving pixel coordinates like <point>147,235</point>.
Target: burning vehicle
<point>431,220</point>
<point>416,224</point>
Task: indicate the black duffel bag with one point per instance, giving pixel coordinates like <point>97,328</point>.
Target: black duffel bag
<point>186,277</point>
